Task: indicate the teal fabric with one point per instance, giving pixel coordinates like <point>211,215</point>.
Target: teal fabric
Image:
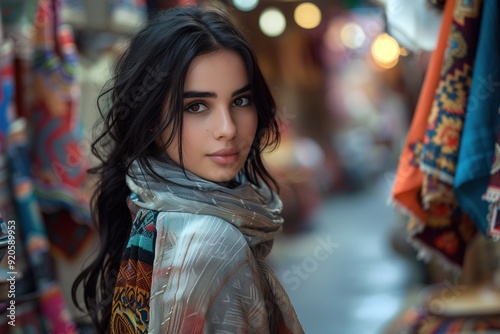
<point>482,121</point>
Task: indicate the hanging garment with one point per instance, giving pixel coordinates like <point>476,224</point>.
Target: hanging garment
<point>444,127</point>
<point>408,180</point>
<point>447,230</point>
<point>481,127</point>
<point>59,158</point>
<point>32,231</point>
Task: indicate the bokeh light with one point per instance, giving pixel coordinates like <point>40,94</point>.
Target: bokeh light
<point>272,22</point>
<point>245,5</point>
<point>352,35</point>
<point>307,15</point>
<point>385,51</point>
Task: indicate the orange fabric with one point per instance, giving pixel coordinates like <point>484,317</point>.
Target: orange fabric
<point>408,181</point>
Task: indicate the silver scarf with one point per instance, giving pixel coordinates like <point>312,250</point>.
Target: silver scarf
<point>254,210</point>
<point>195,296</point>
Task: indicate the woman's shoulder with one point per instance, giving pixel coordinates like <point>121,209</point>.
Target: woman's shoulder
<point>210,233</point>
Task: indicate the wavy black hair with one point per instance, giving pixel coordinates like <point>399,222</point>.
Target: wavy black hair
<point>138,104</point>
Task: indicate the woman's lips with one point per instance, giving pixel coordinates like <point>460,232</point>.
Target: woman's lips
<point>225,156</point>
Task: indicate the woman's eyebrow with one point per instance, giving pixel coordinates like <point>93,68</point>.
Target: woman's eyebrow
<point>193,94</point>
<point>243,89</point>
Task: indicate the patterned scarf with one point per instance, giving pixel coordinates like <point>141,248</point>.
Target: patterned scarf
<point>254,211</point>
<point>187,202</point>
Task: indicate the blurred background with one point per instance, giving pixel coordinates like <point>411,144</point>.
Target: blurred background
<point>347,75</point>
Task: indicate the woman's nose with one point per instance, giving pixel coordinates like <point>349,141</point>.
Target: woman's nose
<point>224,124</point>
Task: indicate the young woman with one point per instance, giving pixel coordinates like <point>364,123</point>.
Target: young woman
<point>184,205</point>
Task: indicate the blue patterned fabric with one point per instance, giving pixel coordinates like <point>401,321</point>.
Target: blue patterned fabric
<point>482,122</point>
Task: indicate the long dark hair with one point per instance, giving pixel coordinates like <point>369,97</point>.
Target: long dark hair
<point>149,80</point>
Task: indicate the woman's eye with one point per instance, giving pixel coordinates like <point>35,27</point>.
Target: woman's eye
<point>241,102</point>
<point>196,108</point>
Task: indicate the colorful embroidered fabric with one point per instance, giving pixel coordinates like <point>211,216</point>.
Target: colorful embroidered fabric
<point>59,158</point>
<point>444,127</point>
<point>447,230</point>
<point>32,230</point>
<point>408,180</point>
<point>481,127</point>
<point>130,310</point>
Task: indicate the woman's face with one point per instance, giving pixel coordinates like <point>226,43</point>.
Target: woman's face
<point>220,119</point>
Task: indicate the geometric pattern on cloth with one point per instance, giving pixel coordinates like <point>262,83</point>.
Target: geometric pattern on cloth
<point>444,127</point>
<point>440,151</point>
<point>59,158</point>
<point>447,230</point>
<point>130,308</point>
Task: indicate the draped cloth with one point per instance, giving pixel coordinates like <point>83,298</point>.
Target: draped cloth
<point>408,180</point>
<point>209,272</point>
<point>478,154</point>
<point>59,158</point>
<point>424,182</point>
<point>406,191</point>
<point>448,230</point>
<point>53,307</point>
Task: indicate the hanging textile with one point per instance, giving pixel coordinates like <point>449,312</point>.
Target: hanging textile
<point>447,230</point>
<point>59,159</point>
<point>481,127</point>
<point>408,181</point>
<point>423,187</point>
<point>444,127</point>
<point>32,231</point>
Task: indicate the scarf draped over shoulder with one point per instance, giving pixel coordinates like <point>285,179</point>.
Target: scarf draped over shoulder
<point>209,274</point>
